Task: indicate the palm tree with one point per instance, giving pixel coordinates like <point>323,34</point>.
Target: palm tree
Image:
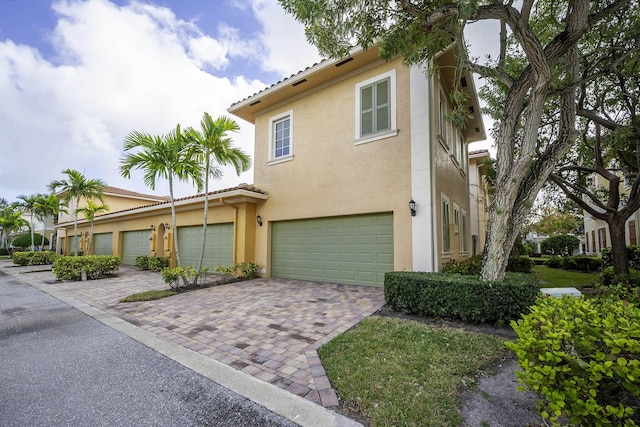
<point>29,205</point>
<point>48,206</point>
<point>214,148</point>
<point>75,187</point>
<point>168,156</point>
<point>89,213</point>
<point>10,221</point>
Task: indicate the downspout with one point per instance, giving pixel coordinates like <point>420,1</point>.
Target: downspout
<point>235,226</point>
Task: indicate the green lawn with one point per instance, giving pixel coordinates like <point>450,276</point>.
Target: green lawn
<point>559,278</point>
<point>149,295</point>
<point>399,372</point>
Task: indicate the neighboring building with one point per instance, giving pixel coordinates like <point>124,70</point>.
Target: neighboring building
<point>596,231</point>
<point>479,200</point>
<point>341,149</point>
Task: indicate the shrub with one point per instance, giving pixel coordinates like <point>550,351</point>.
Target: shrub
<point>4,251</point>
<point>33,258</point>
<point>609,278</point>
<point>460,297</point>
<point>142,262</point>
<point>157,263</point>
<point>188,275</point>
<point>95,266</point>
<point>633,253</point>
<point>471,266</point>
<point>520,264</point>
<point>239,270</point>
<point>554,262</point>
<point>581,356</point>
<point>24,240</point>
<point>582,263</point>
<point>560,245</point>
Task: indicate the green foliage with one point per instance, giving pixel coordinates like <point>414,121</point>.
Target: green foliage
<point>554,262</point>
<point>633,253</point>
<point>33,258</point>
<point>24,240</point>
<point>149,295</point>
<point>142,262</point>
<point>470,267</point>
<point>158,263</point>
<point>582,357</point>
<point>520,264</point>
<point>187,275</point>
<point>609,278</point>
<point>584,263</point>
<point>460,297</point>
<point>560,245</point>
<point>4,251</point>
<point>95,266</point>
<point>240,270</point>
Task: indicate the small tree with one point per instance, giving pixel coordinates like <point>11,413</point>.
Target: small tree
<point>561,245</point>
<point>89,212</point>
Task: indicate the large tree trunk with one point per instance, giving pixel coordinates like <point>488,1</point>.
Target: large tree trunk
<point>618,245</point>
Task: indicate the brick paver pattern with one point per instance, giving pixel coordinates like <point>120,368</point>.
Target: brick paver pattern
<point>268,328</point>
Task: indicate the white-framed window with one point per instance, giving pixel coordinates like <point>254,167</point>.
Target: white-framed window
<point>281,137</point>
<point>460,147</point>
<point>443,125</point>
<point>446,218</point>
<point>465,155</point>
<point>456,219</point>
<point>376,108</point>
<point>464,238</point>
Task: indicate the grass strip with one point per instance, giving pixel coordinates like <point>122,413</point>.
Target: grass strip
<point>399,372</point>
<point>148,296</point>
<point>559,278</point>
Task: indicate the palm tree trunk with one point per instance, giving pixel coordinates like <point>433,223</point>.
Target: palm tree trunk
<point>90,239</point>
<point>75,227</point>
<point>173,219</point>
<point>33,244</point>
<point>44,230</point>
<point>206,215</point>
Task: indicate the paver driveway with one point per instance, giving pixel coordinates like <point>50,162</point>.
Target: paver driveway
<point>268,328</point>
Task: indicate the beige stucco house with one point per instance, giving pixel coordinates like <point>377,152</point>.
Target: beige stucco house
<point>479,199</point>
<point>356,173</point>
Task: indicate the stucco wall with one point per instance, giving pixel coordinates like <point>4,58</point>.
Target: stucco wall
<point>329,174</point>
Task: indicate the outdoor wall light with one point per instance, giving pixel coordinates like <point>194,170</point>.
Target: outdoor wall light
<point>153,227</point>
<point>412,207</point>
<point>259,219</point>
<point>166,226</point>
<point>86,234</point>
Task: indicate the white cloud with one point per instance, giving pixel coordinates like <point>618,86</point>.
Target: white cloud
<point>118,69</point>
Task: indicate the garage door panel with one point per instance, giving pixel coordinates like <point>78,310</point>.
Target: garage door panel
<point>218,249</point>
<point>356,249</point>
<point>134,243</point>
<point>102,244</point>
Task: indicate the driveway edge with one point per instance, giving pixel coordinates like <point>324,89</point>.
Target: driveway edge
<point>274,399</point>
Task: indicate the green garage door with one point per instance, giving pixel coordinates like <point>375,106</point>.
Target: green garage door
<point>134,243</point>
<point>352,249</point>
<point>102,244</point>
<point>219,248</point>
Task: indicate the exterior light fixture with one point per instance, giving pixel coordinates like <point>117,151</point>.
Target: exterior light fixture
<point>259,219</point>
<point>412,207</point>
<point>86,234</point>
<point>153,227</point>
<point>166,226</point>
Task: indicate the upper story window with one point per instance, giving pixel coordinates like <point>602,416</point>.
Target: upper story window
<point>376,108</point>
<point>281,137</point>
<point>443,125</point>
<point>446,218</point>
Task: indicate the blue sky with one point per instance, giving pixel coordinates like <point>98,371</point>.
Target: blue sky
<point>76,76</point>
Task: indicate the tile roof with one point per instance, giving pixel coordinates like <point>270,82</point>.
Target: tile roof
<point>121,191</point>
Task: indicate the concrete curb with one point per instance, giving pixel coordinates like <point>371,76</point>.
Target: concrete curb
<point>274,399</point>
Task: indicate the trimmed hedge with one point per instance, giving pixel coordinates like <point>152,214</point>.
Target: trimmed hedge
<point>473,265</point>
<point>554,262</point>
<point>582,356</point>
<point>584,263</point>
<point>95,266</point>
<point>24,240</point>
<point>33,258</point>
<point>4,251</point>
<point>153,263</point>
<point>461,297</point>
<point>520,264</point>
<point>633,252</point>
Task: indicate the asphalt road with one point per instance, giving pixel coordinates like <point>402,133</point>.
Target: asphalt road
<point>60,367</point>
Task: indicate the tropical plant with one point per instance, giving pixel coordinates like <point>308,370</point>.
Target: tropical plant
<point>542,43</point>
<point>74,188</point>
<point>10,221</point>
<point>168,156</point>
<point>28,205</point>
<point>48,206</point>
<point>214,148</point>
<point>90,211</point>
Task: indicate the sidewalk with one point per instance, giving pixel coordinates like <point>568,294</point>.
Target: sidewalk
<point>258,338</point>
